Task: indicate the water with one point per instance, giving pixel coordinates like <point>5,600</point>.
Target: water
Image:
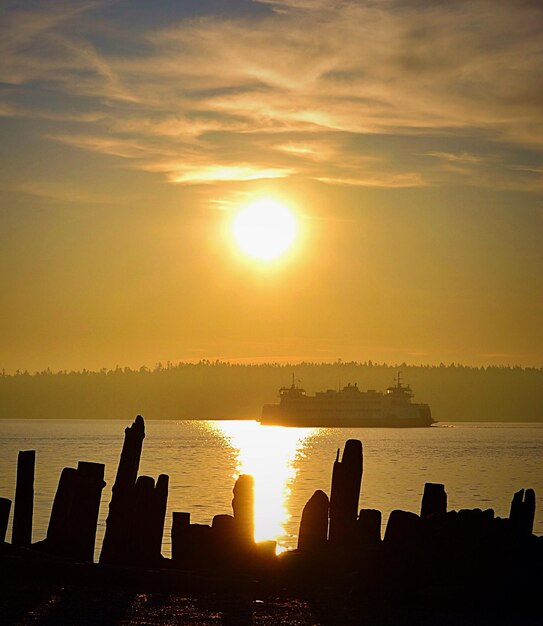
<point>482,465</point>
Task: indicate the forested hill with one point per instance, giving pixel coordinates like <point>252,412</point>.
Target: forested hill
<point>208,390</point>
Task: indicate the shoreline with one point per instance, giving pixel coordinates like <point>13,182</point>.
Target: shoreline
<point>436,424</point>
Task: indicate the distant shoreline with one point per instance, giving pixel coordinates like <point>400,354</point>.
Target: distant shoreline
<point>438,424</point>
<point>223,390</point>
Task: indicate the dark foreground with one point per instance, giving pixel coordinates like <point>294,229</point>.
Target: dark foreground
<point>39,595</point>
<point>298,589</point>
<point>436,567</point>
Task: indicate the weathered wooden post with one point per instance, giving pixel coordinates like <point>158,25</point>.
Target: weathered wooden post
<point>403,528</point>
<point>140,552</point>
<point>117,540</point>
<point>313,532</point>
<point>345,493</point>
<point>74,516</point>
<point>5,508</point>
<point>434,500</point>
<point>180,532</point>
<point>24,499</point>
<point>243,506</point>
<point>160,503</point>
<point>225,539</point>
<point>59,521</point>
<point>89,484</point>
<point>369,528</point>
<point>522,512</point>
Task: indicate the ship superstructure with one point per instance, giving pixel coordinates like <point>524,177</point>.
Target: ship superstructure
<point>348,407</point>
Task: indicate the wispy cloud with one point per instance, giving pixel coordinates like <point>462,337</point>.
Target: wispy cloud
<point>65,193</point>
<point>294,90</point>
<point>452,157</point>
<point>215,173</point>
<point>384,180</point>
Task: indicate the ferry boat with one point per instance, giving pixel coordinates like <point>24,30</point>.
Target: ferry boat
<point>348,407</point>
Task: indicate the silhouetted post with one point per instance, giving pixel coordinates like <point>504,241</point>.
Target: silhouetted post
<point>345,493</point>
<point>243,506</point>
<point>434,500</point>
<point>314,523</point>
<point>160,498</point>
<point>199,550</point>
<point>522,512</point>
<point>59,521</point>
<point>74,516</point>
<point>369,527</point>
<point>142,520</point>
<point>224,537</point>
<point>472,526</point>
<point>402,529</point>
<point>529,511</point>
<point>192,544</point>
<point>85,508</point>
<point>223,523</point>
<point>5,508</point>
<point>117,541</point>
<point>180,532</point>
<point>24,499</point>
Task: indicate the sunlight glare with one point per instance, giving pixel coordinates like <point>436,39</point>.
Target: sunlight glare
<point>265,229</point>
<point>269,454</point>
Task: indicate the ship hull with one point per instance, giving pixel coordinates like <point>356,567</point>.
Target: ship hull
<point>418,416</point>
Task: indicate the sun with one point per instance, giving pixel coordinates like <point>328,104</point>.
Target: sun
<point>265,229</point>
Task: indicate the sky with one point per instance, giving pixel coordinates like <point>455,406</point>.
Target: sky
<point>406,137</point>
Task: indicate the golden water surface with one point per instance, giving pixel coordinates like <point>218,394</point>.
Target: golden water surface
<point>271,456</point>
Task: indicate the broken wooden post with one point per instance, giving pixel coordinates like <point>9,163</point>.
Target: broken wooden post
<point>314,523</point>
<point>116,548</point>
<point>403,529</point>
<point>148,516</point>
<point>89,484</point>
<point>5,508</point>
<point>160,503</point>
<point>434,500</point>
<point>369,528</point>
<point>74,516</point>
<point>193,546</point>
<point>24,499</point>
<point>142,518</point>
<point>345,492</point>
<point>59,521</point>
<point>179,536</point>
<point>225,539</point>
<point>243,507</point>
<point>522,512</point>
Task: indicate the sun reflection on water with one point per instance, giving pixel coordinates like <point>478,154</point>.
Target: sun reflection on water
<point>269,454</point>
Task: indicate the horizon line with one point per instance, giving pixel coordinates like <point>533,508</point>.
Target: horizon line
<point>258,362</point>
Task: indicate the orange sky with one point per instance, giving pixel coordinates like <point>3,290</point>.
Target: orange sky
<point>406,138</point>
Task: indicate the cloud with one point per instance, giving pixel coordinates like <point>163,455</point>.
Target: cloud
<point>62,192</point>
<point>390,181</point>
<point>120,147</point>
<point>215,173</point>
<point>487,170</point>
<point>25,32</point>
<point>463,157</point>
<point>294,90</point>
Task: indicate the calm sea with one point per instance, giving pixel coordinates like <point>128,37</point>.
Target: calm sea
<point>482,465</point>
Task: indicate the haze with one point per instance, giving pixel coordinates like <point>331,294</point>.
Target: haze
<point>406,138</point>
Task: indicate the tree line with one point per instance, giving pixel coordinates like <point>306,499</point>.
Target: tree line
<point>222,390</point>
